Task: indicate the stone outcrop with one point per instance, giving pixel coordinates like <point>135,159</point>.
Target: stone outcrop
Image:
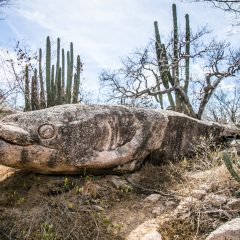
<point>228,231</point>
<point>181,133</point>
<point>74,138</point>
<point>146,231</point>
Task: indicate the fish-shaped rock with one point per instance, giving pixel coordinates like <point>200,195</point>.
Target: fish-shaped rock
<point>74,138</point>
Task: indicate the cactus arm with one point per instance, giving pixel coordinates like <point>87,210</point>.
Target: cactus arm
<point>187,62</point>
<point>26,92</point>
<point>229,166</point>
<point>77,81</point>
<point>58,60</point>
<point>48,71</point>
<point>34,93</point>
<point>175,69</point>
<point>59,88</point>
<point>161,66</point>
<point>53,95</point>
<point>42,92</point>
<point>63,76</point>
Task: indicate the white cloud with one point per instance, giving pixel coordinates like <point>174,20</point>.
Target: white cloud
<point>104,30</point>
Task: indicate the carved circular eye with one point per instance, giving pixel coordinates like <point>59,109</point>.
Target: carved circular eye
<point>46,131</point>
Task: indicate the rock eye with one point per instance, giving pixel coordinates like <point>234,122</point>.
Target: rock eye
<point>46,131</point>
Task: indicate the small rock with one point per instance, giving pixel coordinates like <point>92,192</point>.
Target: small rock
<point>215,200</point>
<point>120,183</point>
<point>157,211</point>
<point>187,203</point>
<point>206,187</point>
<point>198,193</point>
<point>98,208</point>
<point>152,236</point>
<point>234,204</point>
<point>152,198</point>
<point>169,203</point>
<point>228,231</point>
<point>145,231</point>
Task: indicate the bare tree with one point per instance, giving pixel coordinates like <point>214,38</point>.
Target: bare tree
<point>12,68</point>
<point>224,107</point>
<point>139,75</point>
<point>226,5</point>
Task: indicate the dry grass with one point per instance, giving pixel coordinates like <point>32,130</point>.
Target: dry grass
<point>51,208</point>
<point>38,207</point>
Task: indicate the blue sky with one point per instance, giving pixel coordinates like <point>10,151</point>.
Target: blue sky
<point>104,30</point>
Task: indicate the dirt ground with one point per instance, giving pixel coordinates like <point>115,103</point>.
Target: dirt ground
<point>34,206</point>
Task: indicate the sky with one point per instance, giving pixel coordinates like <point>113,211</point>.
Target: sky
<point>103,31</point>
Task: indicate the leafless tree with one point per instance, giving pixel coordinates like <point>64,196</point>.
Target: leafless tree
<point>12,67</point>
<point>226,5</point>
<point>139,75</point>
<point>224,107</point>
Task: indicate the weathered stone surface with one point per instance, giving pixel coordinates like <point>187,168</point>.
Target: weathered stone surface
<point>72,138</point>
<point>182,131</point>
<point>234,203</point>
<point>97,138</point>
<point>198,193</point>
<point>228,231</point>
<point>146,231</point>
<point>215,200</point>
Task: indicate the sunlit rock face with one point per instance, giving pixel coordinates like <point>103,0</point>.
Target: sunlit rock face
<point>183,133</point>
<point>76,138</point>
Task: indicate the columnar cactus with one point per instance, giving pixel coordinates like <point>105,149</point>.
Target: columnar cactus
<point>229,164</point>
<point>48,71</point>
<point>58,91</point>
<point>171,78</point>
<point>27,92</point>
<point>42,92</point>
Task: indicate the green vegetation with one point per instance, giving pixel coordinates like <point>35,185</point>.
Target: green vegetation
<point>172,78</point>
<point>230,166</point>
<point>57,91</point>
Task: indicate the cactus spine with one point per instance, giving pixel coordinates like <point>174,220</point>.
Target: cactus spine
<point>58,91</point>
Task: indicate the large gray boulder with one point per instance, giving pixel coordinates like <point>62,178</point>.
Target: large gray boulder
<point>183,132</point>
<point>77,138</point>
<point>74,138</point>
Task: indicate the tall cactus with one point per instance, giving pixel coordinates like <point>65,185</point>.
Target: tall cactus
<point>58,91</point>
<point>76,81</point>
<point>53,88</point>
<point>42,92</point>
<point>34,92</point>
<point>187,54</point>
<point>69,79</point>
<point>229,164</point>
<point>161,55</point>
<point>58,60</point>
<point>48,72</point>
<point>59,88</point>
<point>27,92</point>
<point>63,76</point>
<point>175,72</point>
<point>171,78</point>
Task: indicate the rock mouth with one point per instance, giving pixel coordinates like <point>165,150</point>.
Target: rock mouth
<point>29,157</point>
<point>14,135</point>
